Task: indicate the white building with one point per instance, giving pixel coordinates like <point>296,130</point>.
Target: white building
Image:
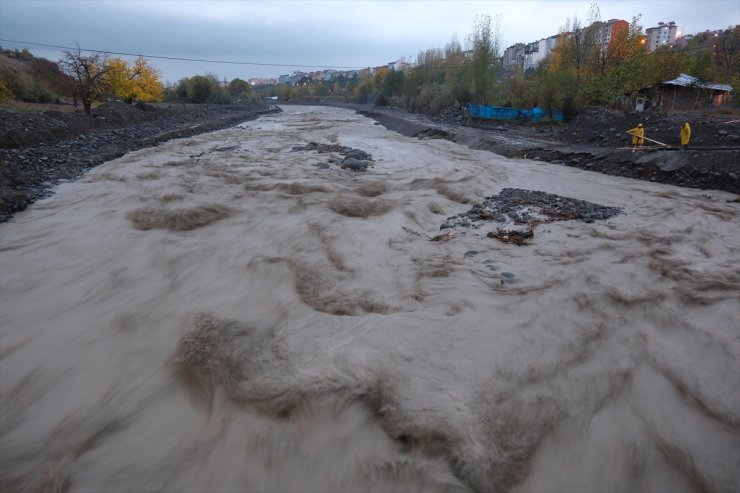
<point>534,53</point>
<point>663,35</point>
<point>537,51</point>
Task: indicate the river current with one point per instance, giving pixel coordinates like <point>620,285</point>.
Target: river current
<point>218,313</point>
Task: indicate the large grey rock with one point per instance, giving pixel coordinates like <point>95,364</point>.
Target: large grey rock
<point>665,160</point>
<point>358,154</point>
<point>354,164</point>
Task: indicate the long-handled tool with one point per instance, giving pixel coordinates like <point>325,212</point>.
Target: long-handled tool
<point>651,140</point>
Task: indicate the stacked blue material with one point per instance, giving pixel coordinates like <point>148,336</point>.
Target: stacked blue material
<point>501,113</point>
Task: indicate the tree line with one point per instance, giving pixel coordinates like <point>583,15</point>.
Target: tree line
<point>89,78</point>
<point>576,74</point>
<point>208,89</point>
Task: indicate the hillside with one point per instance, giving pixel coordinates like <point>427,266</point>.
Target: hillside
<point>29,79</point>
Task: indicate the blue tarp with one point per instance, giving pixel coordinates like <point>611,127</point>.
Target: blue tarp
<point>501,113</point>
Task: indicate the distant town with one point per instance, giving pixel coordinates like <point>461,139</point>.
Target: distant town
<point>525,56</point>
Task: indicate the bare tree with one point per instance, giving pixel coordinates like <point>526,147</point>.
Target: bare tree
<point>89,72</point>
<point>582,40</point>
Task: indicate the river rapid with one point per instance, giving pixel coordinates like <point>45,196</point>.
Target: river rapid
<point>218,314</point>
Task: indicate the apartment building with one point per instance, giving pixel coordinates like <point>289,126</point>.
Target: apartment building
<point>662,35</point>
<point>514,56</point>
<point>609,30</point>
<point>535,52</point>
<point>529,56</point>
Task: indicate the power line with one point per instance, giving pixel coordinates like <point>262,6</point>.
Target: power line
<point>160,57</point>
<point>263,64</point>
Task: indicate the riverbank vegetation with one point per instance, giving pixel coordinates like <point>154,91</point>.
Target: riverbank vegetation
<point>575,75</point>
<point>579,72</point>
<point>89,78</point>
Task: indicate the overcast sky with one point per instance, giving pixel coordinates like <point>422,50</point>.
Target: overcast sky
<point>309,35</point>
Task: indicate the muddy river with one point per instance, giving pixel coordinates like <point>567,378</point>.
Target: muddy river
<point>219,313</point>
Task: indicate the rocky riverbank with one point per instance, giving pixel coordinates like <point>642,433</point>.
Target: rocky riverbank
<point>38,150</point>
<point>596,140</point>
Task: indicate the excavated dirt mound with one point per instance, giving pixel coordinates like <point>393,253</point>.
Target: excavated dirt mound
<point>596,125</point>
<point>711,161</point>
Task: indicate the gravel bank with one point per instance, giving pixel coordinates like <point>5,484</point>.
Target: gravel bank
<point>596,141</point>
<point>39,150</point>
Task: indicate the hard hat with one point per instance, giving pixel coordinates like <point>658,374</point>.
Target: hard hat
<point>639,124</point>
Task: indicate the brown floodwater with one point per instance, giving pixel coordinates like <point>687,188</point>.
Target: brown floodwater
<point>218,314</point>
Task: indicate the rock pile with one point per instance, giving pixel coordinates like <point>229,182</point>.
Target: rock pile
<point>451,114</point>
<point>521,210</point>
<point>354,159</point>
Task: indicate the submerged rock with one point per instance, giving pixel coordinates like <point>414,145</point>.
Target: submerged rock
<point>354,164</point>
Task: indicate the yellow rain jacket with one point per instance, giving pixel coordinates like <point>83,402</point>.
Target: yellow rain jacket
<point>685,134</point>
<point>637,135</point>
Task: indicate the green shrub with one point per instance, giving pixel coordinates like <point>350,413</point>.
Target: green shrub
<point>432,98</point>
<point>443,97</point>
<point>5,93</point>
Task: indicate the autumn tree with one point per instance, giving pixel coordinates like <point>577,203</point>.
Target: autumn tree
<point>89,72</point>
<point>364,89</point>
<point>629,69</point>
<point>137,82</point>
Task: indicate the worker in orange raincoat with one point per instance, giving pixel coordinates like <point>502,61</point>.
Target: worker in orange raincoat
<point>638,134</point>
<point>685,135</point>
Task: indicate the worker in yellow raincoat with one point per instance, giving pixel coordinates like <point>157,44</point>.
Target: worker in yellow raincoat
<point>685,135</point>
<point>638,134</point>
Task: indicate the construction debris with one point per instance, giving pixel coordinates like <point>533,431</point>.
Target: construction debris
<point>512,236</point>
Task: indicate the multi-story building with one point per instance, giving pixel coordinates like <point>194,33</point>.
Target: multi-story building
<point>607,31</point>
<point>663,35</point>
<point>255,81</point>
<point>529,56</point>
<point>534,53</point>
<point>514,56</point>
<point>551,43</point>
